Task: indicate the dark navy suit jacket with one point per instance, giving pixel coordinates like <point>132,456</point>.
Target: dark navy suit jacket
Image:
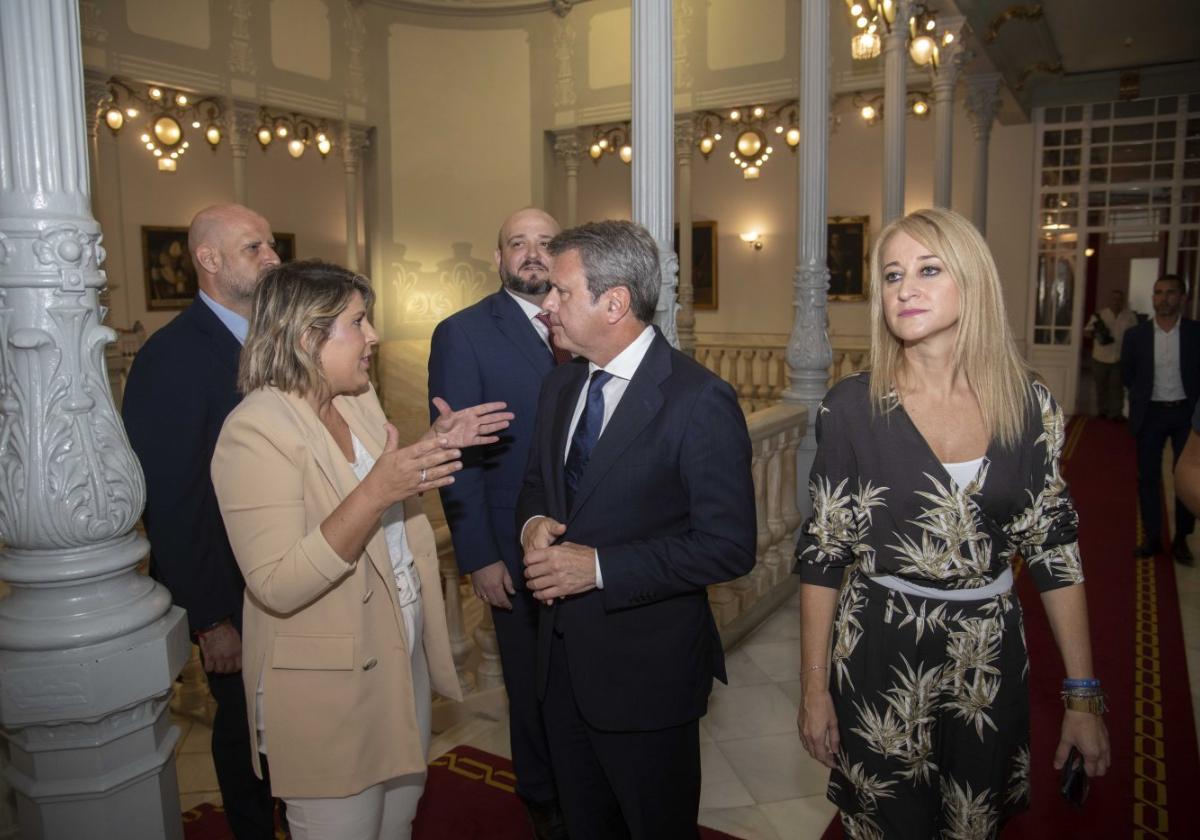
<point>1137,366</point>
<point>182,386</point>
<point>489,352</point>
<point>668,500</point>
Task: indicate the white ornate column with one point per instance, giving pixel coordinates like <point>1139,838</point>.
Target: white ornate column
<point>568,150</point>
<point>354,142</point>
<point>653,158</point>
<point>685,142</point>
<point>240,126</point>
<point>89,648</point>
<point>895,94</point>
<point>809,354</point>
<point>983,102</point>
<point>95,101</point>
<point>945,77</point>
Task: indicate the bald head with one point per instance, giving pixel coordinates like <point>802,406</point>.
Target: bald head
<point>231,247</point>
<point>521,256</point>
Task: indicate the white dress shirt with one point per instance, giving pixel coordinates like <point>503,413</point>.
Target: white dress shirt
<point>234,322</point>
<point>531,312</point>
<point>1168,381</point>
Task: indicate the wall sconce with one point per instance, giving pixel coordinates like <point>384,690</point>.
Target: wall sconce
<point>613,140</point>
<point>752,238</point>
<point>751,127</point>
<point>168,111</point>
<point>302,131</point>
<point>870,108</point>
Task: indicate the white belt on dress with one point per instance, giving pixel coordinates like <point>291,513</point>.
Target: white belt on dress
<point>999,586</point>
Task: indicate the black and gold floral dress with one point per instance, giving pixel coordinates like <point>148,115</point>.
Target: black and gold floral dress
<point>931,694</point>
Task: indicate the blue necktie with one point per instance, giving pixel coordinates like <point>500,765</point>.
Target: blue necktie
<point>587,432</point>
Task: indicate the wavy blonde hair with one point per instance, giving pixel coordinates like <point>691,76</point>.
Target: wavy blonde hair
<point>984,350</point>
<point>295,306</point>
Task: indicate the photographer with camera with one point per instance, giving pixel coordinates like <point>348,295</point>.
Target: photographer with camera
<point>1107,327</point>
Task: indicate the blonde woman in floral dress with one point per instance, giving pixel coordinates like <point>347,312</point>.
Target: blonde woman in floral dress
<point>933,472</point>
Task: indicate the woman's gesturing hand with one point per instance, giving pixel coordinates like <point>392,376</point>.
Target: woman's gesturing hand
<point>818,727</point>
<point>400,473</point>
<point>469,426</point>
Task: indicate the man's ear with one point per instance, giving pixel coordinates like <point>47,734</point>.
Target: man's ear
<point>617,304</point>
<point>208,259</point>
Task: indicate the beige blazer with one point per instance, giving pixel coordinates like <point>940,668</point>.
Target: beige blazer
<point>327,637</point>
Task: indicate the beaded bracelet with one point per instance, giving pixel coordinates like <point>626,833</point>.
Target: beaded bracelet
<point>1081,683</point>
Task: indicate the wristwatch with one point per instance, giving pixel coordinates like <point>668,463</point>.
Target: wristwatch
<point>1093,704</point>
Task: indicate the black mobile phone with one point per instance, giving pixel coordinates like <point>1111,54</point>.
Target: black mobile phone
<point>1074,780</point>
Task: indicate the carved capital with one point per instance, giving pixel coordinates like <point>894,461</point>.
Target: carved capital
<point>354,140</point>
<point>685,138</point>
<point>96,100</point>
<point>241,121</point>
<point>983,102</point>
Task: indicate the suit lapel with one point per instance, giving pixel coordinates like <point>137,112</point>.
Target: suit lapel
<point>642,400</point>
<point>228,348</point>
<point>511,321</point>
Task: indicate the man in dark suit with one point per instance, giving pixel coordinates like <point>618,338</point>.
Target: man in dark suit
<point>1160,365</point>
<point>500,350</point>
<point>182,385</point>
<point>638,495</point>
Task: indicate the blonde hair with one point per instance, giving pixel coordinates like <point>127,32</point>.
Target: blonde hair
<point>295,306</point>
<point>984,350</point>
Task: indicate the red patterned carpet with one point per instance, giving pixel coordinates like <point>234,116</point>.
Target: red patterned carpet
<point>468,796</point>
<point>1151,789</point>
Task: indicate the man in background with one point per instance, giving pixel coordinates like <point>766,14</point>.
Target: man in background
<point>1160,364</point>
<point>500,349</point>
<point>181,387</point>
<point>1107,329</point>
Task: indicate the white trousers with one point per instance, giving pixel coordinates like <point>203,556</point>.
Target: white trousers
<point>381,812</point>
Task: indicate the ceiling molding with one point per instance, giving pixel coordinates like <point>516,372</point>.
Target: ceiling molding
<point>481,8</point>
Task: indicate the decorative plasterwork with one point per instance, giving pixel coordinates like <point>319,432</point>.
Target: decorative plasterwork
<point>682,31</point>
<point>241,56</point>
<point>1026,13</point>
<point>564,53</point>
<point>483,7</point>
<point>89,20</point>
<point>355,23</point>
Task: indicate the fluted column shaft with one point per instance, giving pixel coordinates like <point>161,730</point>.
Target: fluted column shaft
<point>354,142</point>
<point>685,136</point>
<point>983,102</point>
<point>895,93</point>
<point>808,353</point>
<point>945,77</point>
<point>653,123</point>
<point>88,647</point>
<point>568,150</point>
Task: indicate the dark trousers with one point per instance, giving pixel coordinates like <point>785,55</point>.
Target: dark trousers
<point>1163,422</point>
<point>516,633</point>
<point>640,785</point>
<point>249,807</point>
<point>1110,392</point>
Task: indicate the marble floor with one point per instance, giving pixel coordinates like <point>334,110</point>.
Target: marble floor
<point>758,782</point>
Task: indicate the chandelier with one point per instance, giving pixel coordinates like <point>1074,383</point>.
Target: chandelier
<point>611,139</point>
<point>166,112</point>
<point>752,128</point>
<point>296,131</point>
<point>871,17</point>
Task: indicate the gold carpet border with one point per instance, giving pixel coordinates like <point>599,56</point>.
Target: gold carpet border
<point>477,770</point>
<point>1149,743</point>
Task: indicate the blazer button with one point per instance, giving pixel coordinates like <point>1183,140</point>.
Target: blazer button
<point>367,596</point>
<point>370,663</point>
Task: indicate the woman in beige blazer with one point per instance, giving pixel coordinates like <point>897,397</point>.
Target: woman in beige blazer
<point>344,627</point>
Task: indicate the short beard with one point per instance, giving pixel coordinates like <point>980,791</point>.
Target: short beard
<point>517,283</point>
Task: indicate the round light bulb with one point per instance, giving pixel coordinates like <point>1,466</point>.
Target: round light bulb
<point>295,147</point>
<point>758,111</point>
<point>181,100</point>
<point>868,112</point>
<point>158,152</point>
<point>155,93</point>
<point>930,25</point>
<point>195,123</point>
<point>861,23</point>
<point>856,9</point>
<point>131,112</point>
<point>717,136</point>
<point>793,137</point>
<point>735,115</point>
<point>114,119</point>
<point>779,129</point>
<point>603,144</point>
<point>264,136</point>
<point>706,144</point>
<point>145,138</point>
<point>595,151</point>
<point>150,147</point>
<point>323,145</point>
<point>750,173</point>
<point>186,144</point>
<point>948,38</point>
<point>281,131</point>
<point>626,153</point>
<point>213,135</point>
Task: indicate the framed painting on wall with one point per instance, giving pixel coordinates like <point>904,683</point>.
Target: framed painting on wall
<point>170,275</point>
<point>846,256</point>
<point>704,264</point>
<point>285,246</point>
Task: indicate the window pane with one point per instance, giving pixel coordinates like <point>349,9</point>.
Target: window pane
<point>1165,150</point>
<point>1189,238</point>
<point>1062,336</point>
<point>1194,102</point>
<point>1070,177</point>
<point>1132,153</point>
<point>1167,105</point>
<point>1191,169</point>
<point>1189,215</point>
<point>1162,172</point>
<point>1133,133</point>
<point>1137,108</point>
<point>1052,157</point>
<point>1098,176</point>
<point>1130,173</point>
<point>1095,218</point>
<point>1096,198</point>
<point>1193,128</point>
<point>1190,194</point>
<point>1098,154</point>
<point>1041,336</point>
<point>1052,138</point>
<point>1050,178</point>
<point>1100,135</point>
<point>1191,148</point>
<point>1101,111</point>
<point>1072,137</point>
<point>1127,198</point>
<point>1073,113</point>
<point>1071,157</point>
<point>1166,130</point>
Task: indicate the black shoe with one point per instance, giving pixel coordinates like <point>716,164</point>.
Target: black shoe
<point>1181,552</point>
<point>546,819</point>
<point>1147,549</point>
